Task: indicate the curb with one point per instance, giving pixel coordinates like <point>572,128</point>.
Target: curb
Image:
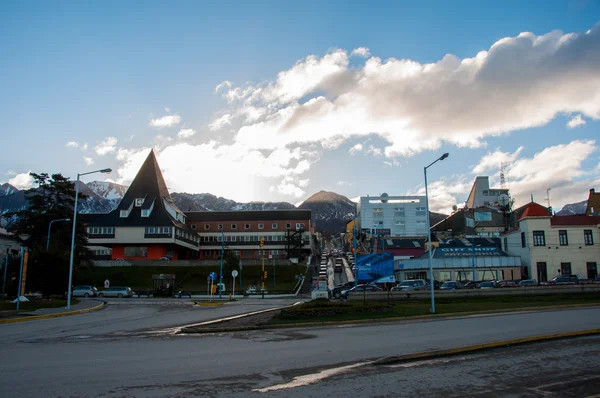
<point>456,315</point>
<point>57,315</point>
<point>484,346</point>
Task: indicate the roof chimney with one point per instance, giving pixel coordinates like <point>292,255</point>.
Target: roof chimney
<point>592,190</point>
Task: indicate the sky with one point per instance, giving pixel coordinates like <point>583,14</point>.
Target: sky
<point>275,101</point>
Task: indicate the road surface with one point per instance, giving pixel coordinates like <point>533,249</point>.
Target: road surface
<point>118,362</point>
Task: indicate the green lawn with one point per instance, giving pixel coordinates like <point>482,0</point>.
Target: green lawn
<point>356,310</point>
<point>35,305</point>
<point>189,278</point>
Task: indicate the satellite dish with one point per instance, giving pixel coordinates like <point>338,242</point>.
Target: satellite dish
<point>503,199</point>
<point>455,208</point>
<point>384,195</point>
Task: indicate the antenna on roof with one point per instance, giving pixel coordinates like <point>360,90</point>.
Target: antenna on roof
<point>502,178</point>
<point>532,197</point>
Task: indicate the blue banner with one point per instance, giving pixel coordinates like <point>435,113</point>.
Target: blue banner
<point>373,267</point>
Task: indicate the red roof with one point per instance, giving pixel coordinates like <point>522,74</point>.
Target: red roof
<point>575,220</point>
<point>535,210</point>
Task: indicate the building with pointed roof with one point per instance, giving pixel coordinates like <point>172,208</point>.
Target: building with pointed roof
<point>593,203</point>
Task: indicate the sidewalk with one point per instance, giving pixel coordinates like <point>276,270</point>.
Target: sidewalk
<point>85,305</point>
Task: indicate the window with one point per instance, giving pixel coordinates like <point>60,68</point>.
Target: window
<point>399,212</point>
<point>193,226</point>
<point>522,239</point>
<point>377,212</point>
<point>588,238</point>
<point>485,193</point>
<point>288,225</point>
<point>563,238</point>
<point>124,213</point>
<point>420,211</point>
<point>247,238</point>
<point>139,202</point>
<point>219,227</point>
<point>261,226</point>
<point>206,239</point>
<point>274,226</point>
<point>233,226</point>
<point>565,268</point>
<point>420,223</point>
<point>483,216</point>
<point>299,225</point>
<point>247,226</point>
<point>539,238</point>
<point>206,227</point>
<point>233,238</point>
<point>505,244</point>
<point>145,212</point>
<point>400,223</point>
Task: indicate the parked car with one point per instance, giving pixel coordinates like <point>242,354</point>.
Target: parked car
<point>361,288</point>
<point>336,292</point>
<point>563,280</point>
<point>597,280</point>
<point>116,291</point>
<point>471,284</point>
<point>451,285</point>
<point>507,283</point>
<point>338,268</point>
<point>411,285</point>
<point>255,290</point>
<point>436,284</point>
<point>528,282</point>
<point>487,285</point>
<point>165,259</point>
<point>84,291</point>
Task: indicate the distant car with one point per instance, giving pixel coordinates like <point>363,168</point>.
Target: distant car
<point>436,284</point>
<point>597,280</point>
<point>336,292</point>
<point>411,285</point>
<point>528,282</point>
<point>451,285</point>
<point>84,291</point>
<point>563,280</point>
<point>165,259</point>
<point>338,268</point>
<point>255,290</point>
<point>487,285</point>
<point>116,291</point>
<point>507,283</point>
<point>471,285</point>
<point>361,288</point>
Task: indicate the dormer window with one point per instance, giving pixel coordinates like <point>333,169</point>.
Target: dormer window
<point>146,213</point>
<point>125,213</point>
<point>139,202</point>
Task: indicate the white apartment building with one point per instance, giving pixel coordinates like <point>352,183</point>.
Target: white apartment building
<point>393,215</point>
<point>554,245</point>
<point>482,195</point>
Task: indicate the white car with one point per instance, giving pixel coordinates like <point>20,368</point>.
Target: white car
<point>84,291</point>
<point>117,291</point>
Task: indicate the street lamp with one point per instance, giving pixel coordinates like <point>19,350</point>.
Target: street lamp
<point>222,253</point>
<point>50,226</point>
<point>431,280</point>
<point>74,228</point>
<point>5,269</point>
<point>23,238</point>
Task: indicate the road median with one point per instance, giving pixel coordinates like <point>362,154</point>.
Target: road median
<point>53,315</point>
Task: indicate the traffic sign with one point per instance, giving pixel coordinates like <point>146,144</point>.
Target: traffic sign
<point>234,273</point>
<point>212,276</point>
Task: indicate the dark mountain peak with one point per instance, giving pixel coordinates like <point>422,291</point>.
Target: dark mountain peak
<point>573,209</point>
<point>326,196</point>
<point>7,189</point>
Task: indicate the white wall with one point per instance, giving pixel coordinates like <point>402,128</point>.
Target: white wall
<point>414,225</point>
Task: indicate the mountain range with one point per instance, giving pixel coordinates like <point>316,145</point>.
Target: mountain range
<point>330,211</point>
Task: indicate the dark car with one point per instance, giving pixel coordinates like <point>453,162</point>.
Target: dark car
<point>361,288</point>
<point>436,284</point>
<point>563,280</point>
<point>528,282</point>
<point>507,283</point>
<point>487,285</point>
<point>336,292</point>
<point>451,285</point>
<point>471,284</point>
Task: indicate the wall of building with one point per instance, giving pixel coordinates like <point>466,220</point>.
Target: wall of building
<point>414,216</point>
<point>253,226</point>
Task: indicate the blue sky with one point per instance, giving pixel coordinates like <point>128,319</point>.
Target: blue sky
<point>310,112</point>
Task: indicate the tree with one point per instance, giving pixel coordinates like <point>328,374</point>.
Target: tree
<point>52,199</point>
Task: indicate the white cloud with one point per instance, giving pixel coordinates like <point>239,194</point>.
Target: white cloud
<point>493,160</point>
<point>186,133</point>
<point>165,121</point>
<point>226,83</point>
<point>21,181</point>
<point>361,52</point>
<point>89,161</point>
<point>84,147</point>
<point>414,106</point>
<point>220,122</point>
<point>342,183</point>
<point>576,122</point>
<point>392,163</point>
<point>559,167</point>
<point>374,151</point>
<point>282,169</point>
<point>72,144</point>
<point>167,110</point>
<point>106,146</point>
<point>355,148</point>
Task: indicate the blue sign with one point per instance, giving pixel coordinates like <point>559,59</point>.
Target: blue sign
<point>372,267</point>
<point>212,276</point>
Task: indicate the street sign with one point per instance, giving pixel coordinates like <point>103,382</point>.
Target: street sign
<point>234,273</point>
<point>212,276</point>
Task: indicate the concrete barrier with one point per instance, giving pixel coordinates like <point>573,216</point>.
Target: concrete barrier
<point>496,292</point>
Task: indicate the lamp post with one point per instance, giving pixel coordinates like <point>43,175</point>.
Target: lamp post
<point>221,271</point>
<point>355,254</point>
<point>74,228</point>
<point>473,246</point>
<point>23,238</point>
<point>431,280</point>
<point>50,226</point>
<point>5,269</point>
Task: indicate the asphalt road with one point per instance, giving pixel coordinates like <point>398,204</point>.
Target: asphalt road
<point>111,361</point>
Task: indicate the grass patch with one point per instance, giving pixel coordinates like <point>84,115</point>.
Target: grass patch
<point>189,278</point>
<point>332,311</point>
<point>35,304</point>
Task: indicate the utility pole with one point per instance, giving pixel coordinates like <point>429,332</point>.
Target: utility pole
<point>262,255</point>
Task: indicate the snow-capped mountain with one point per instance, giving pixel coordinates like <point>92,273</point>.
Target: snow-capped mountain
<point>108,190</point>
<point>573,209</point>
<point>209,202</point>
<point>7,189</point>
<point>330,211</point>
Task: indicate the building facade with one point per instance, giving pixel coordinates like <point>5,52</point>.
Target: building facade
<point>393,215</point>
<point>482,195</point>
<point>555,245</point>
